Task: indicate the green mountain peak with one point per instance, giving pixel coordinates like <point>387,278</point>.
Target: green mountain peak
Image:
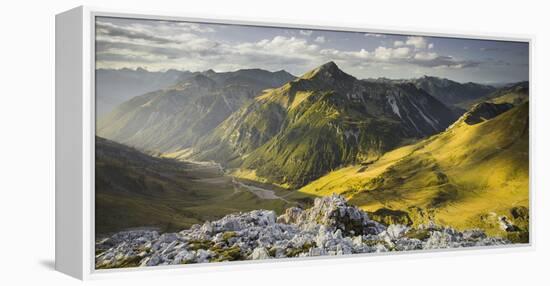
<point>327,71</point>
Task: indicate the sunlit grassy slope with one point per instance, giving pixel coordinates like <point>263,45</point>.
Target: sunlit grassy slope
<point>465,177</point>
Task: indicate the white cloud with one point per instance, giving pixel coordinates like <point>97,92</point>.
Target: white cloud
<point>194,27</point>
<point>320,39</point>
<point>385,54</point>
<point>401,53</point>
<point>184,46</point>
<point>280,45</point>
<point>431,46</point>
<point>423,56</point>
<point>374,35</point>
<point>417,42</point>
<point>306,32</point>
<point>363,54</point>
<point>346,56</point>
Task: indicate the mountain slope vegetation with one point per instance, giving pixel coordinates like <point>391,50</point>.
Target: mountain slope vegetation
<point>320,121</point>
<point>407,151</point>
<point>475,174</point>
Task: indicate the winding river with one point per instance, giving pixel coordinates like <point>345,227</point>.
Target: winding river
<point>260,192</point>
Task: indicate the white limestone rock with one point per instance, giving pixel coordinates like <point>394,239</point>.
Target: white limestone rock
<point>330,227</point>
<point>260,253</point>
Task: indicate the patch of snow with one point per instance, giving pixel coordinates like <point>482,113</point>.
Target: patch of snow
<point>394,107</point>
<point>432,124</point>
<point>412,122</point>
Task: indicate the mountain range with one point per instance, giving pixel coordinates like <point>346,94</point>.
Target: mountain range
<point>344,119</point>
<point>115,86</point>
<point>412,151</point>
<point>516,94</point>
<point>173,118</point>
<point>451,93</point>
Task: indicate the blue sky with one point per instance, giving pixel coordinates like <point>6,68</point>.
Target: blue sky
<point>161,45</point>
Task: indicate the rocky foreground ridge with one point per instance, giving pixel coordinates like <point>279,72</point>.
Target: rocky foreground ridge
<point>330,227</point>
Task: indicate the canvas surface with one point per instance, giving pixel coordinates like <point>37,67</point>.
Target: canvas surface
<point>226,142</point>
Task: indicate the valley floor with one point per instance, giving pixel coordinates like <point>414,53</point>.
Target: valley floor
<point>201,192</point>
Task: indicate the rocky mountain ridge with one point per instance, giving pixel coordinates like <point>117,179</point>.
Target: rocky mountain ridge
<point>453,94</point>
<point>484,111</point>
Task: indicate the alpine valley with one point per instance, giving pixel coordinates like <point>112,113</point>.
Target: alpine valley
<point>254,164</point>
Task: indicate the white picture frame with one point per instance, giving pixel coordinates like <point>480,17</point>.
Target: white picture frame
<point>75,131</point>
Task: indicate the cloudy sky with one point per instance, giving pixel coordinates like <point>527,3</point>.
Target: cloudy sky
<point>161,45</point>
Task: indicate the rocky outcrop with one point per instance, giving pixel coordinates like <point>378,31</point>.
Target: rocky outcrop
<point>330,227</point>
<point>333,212</point>
<point>484,111</point>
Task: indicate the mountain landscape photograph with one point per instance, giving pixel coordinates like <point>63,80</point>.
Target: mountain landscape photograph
<point>219,142</point>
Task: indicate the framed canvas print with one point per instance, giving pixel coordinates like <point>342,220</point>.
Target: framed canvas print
<point>183,142</point>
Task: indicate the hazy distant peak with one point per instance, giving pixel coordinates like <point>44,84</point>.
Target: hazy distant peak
<point>522,85</point>
<point>198,80</point>
<point>209,71</point>
<point>283,72</point>
<point>436,80</point>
